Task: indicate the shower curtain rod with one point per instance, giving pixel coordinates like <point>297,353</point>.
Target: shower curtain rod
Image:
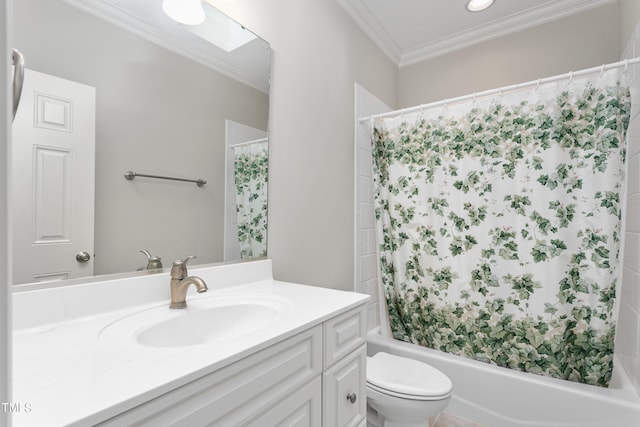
<point>602,68</point>
<point>255,141</point>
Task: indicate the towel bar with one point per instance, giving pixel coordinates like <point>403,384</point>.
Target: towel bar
<point>130,175</point>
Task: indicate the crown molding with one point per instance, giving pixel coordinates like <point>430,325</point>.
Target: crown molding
<point>363,17</point>
<point>185,44</point>
<point>512,24</point>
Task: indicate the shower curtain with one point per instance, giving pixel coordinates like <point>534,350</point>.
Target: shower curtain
<point>251,166</point>
<point>499,225</point>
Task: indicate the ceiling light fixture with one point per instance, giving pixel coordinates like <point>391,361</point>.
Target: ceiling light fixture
<point>478,5</point>
<point>188,12</point>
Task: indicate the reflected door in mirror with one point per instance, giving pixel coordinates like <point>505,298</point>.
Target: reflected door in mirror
<point>53,150</point>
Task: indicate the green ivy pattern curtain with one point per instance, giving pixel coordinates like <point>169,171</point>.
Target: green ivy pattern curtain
<point>499,226</point>
<point>251,169</point>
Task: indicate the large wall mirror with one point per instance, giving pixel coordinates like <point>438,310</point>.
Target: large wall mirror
<point>116,86</point>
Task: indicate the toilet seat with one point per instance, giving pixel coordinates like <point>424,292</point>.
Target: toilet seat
<point>390,393</point>
<point>406,378</point>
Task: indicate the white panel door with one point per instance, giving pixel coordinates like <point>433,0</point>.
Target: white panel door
<point>53,179</point>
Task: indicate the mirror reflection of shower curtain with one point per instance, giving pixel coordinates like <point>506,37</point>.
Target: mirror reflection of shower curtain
<point>499,225</point>
<point>251,167</point>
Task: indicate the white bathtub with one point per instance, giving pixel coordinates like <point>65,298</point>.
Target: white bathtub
<point>492,396</point>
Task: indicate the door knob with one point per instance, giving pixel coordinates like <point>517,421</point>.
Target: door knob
<point>83,256</point>
<point>351,397</point>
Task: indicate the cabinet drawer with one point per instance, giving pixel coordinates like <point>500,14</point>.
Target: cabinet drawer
<point>343,334</point>
<point>303,408</point>
<point>344,391</point>
<point>233,395</point>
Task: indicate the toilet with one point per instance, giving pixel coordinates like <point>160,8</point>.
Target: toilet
<point>403,392</point>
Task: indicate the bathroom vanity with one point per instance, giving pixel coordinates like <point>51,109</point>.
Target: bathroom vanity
<point>250,352</point>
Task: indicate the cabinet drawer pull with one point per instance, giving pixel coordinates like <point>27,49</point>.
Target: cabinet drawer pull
<point>351,397</point>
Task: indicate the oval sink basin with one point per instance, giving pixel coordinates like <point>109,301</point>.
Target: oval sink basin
<point>205,321</point>
<point>200,326</point>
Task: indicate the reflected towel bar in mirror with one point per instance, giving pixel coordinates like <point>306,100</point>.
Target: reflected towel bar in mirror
<point>130,175</point>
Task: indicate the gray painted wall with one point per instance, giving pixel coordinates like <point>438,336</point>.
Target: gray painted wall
<point>157,113</point>
<point>318,55</point>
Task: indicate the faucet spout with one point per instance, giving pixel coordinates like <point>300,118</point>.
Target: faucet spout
<point>180,283</point>
<point>179,290</point>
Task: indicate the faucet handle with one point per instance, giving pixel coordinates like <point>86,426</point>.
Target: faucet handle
<point>153,262</point>
<point>186,260</point>
<point>179,268</point>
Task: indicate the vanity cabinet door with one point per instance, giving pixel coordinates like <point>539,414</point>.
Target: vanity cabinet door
<point>344,391</point>
<point>343,334</point>
<point>303,408</point>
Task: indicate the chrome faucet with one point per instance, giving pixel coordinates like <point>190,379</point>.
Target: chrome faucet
<point>180,282</point>
<point>153,262</point>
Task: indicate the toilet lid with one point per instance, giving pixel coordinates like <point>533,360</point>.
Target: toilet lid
<point>401,375</point>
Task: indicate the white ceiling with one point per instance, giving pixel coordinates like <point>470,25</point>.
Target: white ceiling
<point>410,31</point>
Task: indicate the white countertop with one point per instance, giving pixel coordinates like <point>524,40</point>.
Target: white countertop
<point>66,372</point>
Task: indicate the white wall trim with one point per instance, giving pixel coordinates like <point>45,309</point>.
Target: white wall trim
<point>366,276</point>
<point>545,13</point>
<point>628,329</point>
<point>512,24</point>
<point>631,48</point>
<point>6,12</point>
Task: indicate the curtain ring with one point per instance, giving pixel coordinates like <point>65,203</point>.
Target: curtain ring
<point>537,85</point>
<point>602,71</point>
<point>626,65</point>
<point>570,77</point>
